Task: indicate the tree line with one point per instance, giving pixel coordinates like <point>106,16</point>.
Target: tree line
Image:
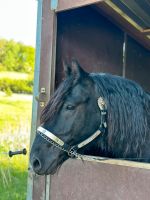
<point>15,56</point>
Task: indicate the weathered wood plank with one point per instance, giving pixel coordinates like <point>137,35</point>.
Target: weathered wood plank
<point>70,4</point>
<point>119,162</point>
<point>137,10</point>
<point>44,76</point>
<point>47,73</point>
<point>78,180</point>
<point>121,7</point>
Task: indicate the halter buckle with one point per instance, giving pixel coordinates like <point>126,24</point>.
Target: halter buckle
<point>72,152</point>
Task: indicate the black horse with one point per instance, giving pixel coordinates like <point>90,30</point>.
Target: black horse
<point>116,127</point>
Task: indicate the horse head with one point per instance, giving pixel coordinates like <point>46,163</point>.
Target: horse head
<point>72,115</point>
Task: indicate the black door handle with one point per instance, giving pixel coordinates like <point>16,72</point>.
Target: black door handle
<point>12,153</point>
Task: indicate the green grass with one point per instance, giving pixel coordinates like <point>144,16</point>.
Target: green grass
<point>13,178</point>
<point>15,120</point>
<point>15,111</point>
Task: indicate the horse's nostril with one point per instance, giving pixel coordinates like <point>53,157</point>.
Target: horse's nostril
<point>36,164</point>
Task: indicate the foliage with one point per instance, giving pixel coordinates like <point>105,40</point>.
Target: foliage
<point>8,91</point>
<point>16,86</point>
<point>15,122</point>
<point>15,82</point>
<point>15,56</point>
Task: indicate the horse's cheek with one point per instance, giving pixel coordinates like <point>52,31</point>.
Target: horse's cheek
<point>67,120</point>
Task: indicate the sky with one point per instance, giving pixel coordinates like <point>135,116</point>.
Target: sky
<point>18,20</point>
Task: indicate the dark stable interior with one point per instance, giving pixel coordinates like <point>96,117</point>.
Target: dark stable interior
<point>97,44</point>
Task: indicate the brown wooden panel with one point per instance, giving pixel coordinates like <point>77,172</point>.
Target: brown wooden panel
<point>39,188</point>
<point>138,63</point>
<point>90,38</point>
<point>70,4</point>
<point>46,80</point>
<point>97,181</point>
<point>47,60</point>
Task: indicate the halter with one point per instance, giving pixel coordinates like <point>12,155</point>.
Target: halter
<point>72,150</point>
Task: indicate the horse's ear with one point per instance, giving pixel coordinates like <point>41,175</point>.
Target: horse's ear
<point>73,70</point>
<point>76,70</point>
<point>67,69</point>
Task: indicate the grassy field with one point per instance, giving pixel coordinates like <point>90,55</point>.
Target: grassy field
<point>15,120</point>
<point>15,111</point>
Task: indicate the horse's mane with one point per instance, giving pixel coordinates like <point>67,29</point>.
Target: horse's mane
<point>128,115</point>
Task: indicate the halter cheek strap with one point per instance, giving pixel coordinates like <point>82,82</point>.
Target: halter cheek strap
<point>72,150</point>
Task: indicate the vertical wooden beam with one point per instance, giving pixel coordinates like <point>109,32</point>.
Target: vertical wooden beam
<point>31,175</point>
<point>48,61</point>
<point>46,83</point>
<point>38,181</point>
<point>43,86</point>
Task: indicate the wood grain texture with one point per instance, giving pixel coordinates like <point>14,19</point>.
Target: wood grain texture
<point>46,80</point>
<point>98,181</point>
<point>71,4</point>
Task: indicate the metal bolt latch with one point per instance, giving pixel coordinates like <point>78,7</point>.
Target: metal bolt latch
<point>41,98</point>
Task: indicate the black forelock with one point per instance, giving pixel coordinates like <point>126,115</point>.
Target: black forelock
<point>57,100</point>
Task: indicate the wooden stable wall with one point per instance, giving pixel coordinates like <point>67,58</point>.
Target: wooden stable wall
<point>138,63</point>
<point>91,39</point>
<point>99,181</point>
<point>100,46</point>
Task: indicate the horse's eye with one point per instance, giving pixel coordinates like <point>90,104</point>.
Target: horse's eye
<point>70,107</point>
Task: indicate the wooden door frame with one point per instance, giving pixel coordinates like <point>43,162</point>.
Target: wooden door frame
<point>44,79</point>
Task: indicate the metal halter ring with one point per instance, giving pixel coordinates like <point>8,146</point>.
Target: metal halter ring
<point>72,152</point>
